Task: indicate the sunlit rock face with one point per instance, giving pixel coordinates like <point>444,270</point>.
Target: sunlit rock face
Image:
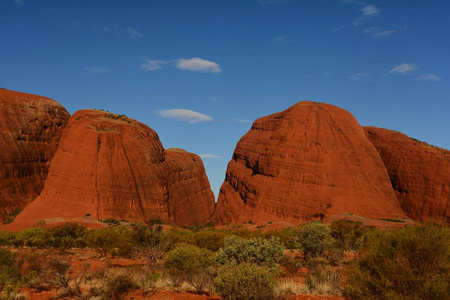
<point>30,131</point>
<point>309,162</point>
<point>111,166</point>
<point>420,173</point>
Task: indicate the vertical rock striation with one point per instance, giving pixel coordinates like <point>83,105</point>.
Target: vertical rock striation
<point>30,130</point>
<point>420,173</point>
<point>309,162</point>
<point>111,166</point>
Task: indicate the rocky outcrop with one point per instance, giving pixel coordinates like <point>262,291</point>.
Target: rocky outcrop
<point>30,130</point>
<point>309,162</point>
<point>419,173</point>
<point>111,166</point>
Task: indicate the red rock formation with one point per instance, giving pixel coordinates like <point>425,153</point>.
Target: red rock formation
<point>420,173</point>
<point>309,162</point>
<point>30,130</point>
<point>110,166</point>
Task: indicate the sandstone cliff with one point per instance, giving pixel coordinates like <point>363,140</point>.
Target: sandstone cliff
<point>30,130</point>
<point>111,166</point>
<point>420,173</point>
<point>309,162</point>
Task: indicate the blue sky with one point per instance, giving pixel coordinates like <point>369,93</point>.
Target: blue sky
<point>199,72</point>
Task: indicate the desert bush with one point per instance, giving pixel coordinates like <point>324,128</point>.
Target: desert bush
<point>348,235</point>
<point>290,264</point>
<point>9,271</point>
<point>62,271</point>
<point>254,250</point>
<point>245,282</point>
<point>194,263</point>
<point>66,236</point>
<point>178,236</point>
<point>324,280</point>
<point>6,237</point>
<point>112,240</point>
<point>146,280</point>
<point>407,263</point>
<point>116,284</point>
<point>314,239</point>
<point>151,242</point>
<point>210,239</point>
<point>31,237</point>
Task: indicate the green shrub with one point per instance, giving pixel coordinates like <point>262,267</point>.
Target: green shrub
<point>255,250</point>
<point>210,239</point>
<point>104,241</point>
<point>407,263</point>
<point>324,280</point>
<point>66,236</point>
<point>314,239</point>
<point>192,262</point>
<point>117,285</point>
<point>245,282</point>
<point>151,242</point>
<point>9,271</point>
<point>111,221</point>
<point>32,237</point>
<point>348,235</point>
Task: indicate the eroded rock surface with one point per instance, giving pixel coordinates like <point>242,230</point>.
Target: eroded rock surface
<point>111,166</point>
<point>420,173</point>
<point>309,162</point>
<point>30,131</point>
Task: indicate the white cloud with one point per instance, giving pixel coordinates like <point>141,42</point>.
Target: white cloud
<point>370,10</point>
<point>197,64</point>
<point>372,29</point>
<point>383,34</point>
<point>281,38</point>
<point>213,156</point>
<point>243,121</point>
<point>358,76</point>
<point>185,115</point>
<point>134,34</point>
<point>19,2</point>
<point>367,12</point>
<point>96,69</point>
<point>152,65</point>
<point>404,68</point>
<point>429,77</point>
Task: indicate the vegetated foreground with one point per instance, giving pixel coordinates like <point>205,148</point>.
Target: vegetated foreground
<point>311,261</point>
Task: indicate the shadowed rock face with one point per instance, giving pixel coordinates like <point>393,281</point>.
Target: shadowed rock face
<point>309,162</point>
<point>110,166</point>
<point>30,130</point>
<point>420,173</point>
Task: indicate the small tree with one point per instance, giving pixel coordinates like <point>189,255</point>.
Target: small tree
<point>104,240</point>
<point>151,242</point>
<point>315,238</point>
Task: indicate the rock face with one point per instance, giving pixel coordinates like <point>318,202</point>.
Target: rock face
<point>309,162</point>
<point>30,130</point>
<point>110,166</point>
<point>420,173</point>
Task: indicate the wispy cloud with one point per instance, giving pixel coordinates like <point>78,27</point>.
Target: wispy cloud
<point>405,68</point>
<point>281,37</point>
<point>96,69</point>
<point>243,120</point>
<point>367,12</point>
<point>358,76</point>
<point>134,34</point>
<point>197,64</point>
<point>429,77</point>
<point>207,155</point>
<point>372,29</point>
<point>272,2</point>
<point>19,2</point>
<point>185,115</point>
<point>383,34</point>
<point>152,65</point>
